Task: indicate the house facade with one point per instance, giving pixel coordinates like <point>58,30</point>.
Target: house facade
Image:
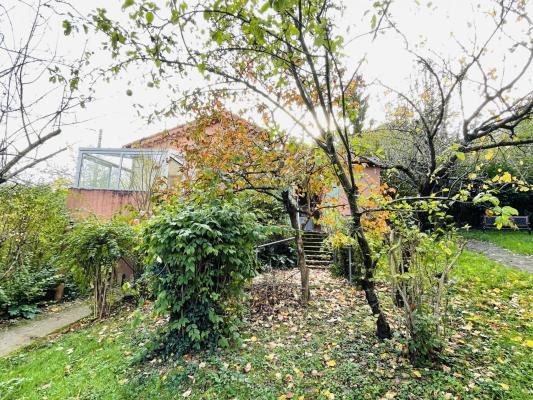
<point>112,180</point>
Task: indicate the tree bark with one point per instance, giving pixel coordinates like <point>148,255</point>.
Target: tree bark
<point>292,210</point>
<point>351,190</point>
<point>383,330</point>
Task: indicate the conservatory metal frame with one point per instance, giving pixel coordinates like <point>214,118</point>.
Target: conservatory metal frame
<point>86,152</point>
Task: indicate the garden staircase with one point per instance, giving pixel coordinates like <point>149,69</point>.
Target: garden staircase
<point>316,256</point>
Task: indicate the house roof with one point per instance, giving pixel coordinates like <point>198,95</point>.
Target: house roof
<point>162,139</point>
<point>370,160</point>
<point>173,133</point>
<point>180,131</point>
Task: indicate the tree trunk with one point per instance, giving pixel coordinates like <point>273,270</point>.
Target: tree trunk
<point>302,265</point>
<point>383,330</point>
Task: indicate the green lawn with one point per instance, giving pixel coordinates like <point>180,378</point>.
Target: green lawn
<point>326,352</point>
<point>520,242</point>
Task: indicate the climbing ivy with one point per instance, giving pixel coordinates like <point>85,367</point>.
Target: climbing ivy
<point>200,257</point>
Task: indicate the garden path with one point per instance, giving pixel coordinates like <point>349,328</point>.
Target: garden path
<point>14,337</point>
<point>501,255</point>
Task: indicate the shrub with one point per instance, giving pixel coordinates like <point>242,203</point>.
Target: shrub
<point>419,265</point>
<point>277,256</point>
<point>33,223</point>
<point>27,286</point>
<point>93,248</point>
<point>200,258</point>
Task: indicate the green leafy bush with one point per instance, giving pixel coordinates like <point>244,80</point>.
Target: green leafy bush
<point>32,225</point>
<point>200,258</point>
<point>93,249</point>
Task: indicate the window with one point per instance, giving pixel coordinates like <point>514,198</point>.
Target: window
<point>121,169</point>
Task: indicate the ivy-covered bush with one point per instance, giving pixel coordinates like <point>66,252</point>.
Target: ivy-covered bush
<point>33,221</point>
<point>93,249</point>
<point>200,258</point>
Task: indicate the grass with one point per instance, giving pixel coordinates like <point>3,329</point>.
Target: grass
<point>520,242</point>
<point>327,351</point>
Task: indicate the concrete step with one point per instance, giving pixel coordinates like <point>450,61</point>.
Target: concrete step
<point>313,247</point>
<point>315,251</point>
<point>317,254</point>
<point>318,262</point>
<point>314,237</point>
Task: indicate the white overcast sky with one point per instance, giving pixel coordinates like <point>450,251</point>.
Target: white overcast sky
<point>387,61</point>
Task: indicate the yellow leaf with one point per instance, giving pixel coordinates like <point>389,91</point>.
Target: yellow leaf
<point>331,363</point>
<point>504,386</point>
<point>529,343</point>
<point>358,168</point>
<point>506,177</point>
<point>328,395</point>
<point>253,339</point>
<point>417,373</point>
<point>270,356</point>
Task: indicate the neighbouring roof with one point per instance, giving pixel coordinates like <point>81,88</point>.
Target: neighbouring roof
<point>372,161</point>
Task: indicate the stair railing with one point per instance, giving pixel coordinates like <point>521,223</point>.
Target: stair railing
<point>276,242</point>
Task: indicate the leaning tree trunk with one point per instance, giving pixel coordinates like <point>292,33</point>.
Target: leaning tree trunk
<point>351,190</point>
<point>292,210</point>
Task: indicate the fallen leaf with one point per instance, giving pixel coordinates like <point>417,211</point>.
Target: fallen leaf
<point>248,367</point>
<point>328,395</point>
<point>298,373</point>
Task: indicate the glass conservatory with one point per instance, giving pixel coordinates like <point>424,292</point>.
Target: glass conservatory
<point>122,169</point>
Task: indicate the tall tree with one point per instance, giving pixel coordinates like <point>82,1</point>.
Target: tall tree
<point>461,106</point>
<point>38,87</point>
<point>285,55</point>
<point>225,153</point>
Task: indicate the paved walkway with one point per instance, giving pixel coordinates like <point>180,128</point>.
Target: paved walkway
<point>504,256</point>
<point>14,337</point>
